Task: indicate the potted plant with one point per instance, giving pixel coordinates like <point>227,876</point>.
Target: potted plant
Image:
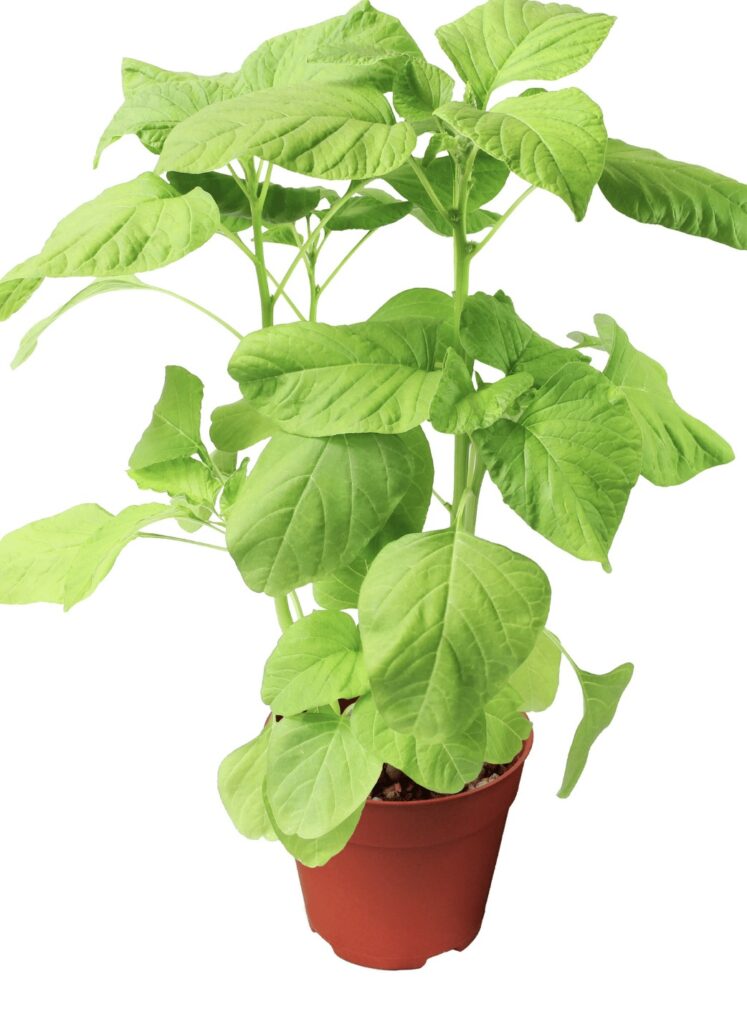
<point>398,725</point>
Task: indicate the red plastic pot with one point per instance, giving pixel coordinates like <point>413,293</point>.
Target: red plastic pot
<point>414,879</point>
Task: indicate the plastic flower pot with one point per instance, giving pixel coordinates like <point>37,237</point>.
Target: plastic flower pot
<point>414,879</point>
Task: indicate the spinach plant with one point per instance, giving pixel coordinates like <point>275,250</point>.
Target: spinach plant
<point>450,646</point>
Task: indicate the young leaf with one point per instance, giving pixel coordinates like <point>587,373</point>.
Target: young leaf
<point>458,409</point>
<point>601,697</point>
<point>238,426</point>
<point>493,333</point>
<point>419,89</point>
<point>318,773</point>
<point>553,140</point>
<point>15,293</point>
<point>506,727</point>
<point>317,661</point>
<point>368,211</point>
<point>30,340</point>
<point>330,132</point>
<point>440,767</point>
<point>174,431</point>
<point>241,781</point>
<point>515,40</point>
<point>310,506</point>
<point>233,488</point>
<point>141,225</point>
<point>315,853</point>
<point>318,380</point>
<point>179,478</point>
<point>568,464</point>
<point>445,618</point>
<point>648,187</point>
<point>536,681</point>
<point>676,446</point>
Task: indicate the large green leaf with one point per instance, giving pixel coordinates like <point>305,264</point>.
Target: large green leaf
<point>328,132</point>
<point>493,333</point>
<point>15,293</point>
<point>505,726</point>
<point>457,408</point>
<point>141,225</point>
<point>30,340</point>
<point>553,140</point>
<point>238,426</point>
<point>317,380</point>
<point>318,773</point>
<point>315,853</point>
<point>569,462</point>
<point>310,506</point>
<point>648,187</point>
<point>341,590</point>
<point>445,619</point>
<point>536,681</point>
<point>174,430</point>
<point>419,88</point>
<point>676,446</point>
<point>440,767</point>
<point>241,781</point>
<point>513,40</point>
<point>318,660</point>
<point>601,697</point>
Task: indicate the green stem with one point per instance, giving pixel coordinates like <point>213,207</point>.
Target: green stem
<point>462,260</point>
<point>345,259</point>
<point>423,178</point>
<point>256,204</point>
<point>283,612</point>
<point>296,601</point>
<point>240,244</point>
<point>194,305</point>
<point>181,540</point>
<point>479,246</point>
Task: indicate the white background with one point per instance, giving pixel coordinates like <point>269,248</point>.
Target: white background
<point>125,894</point>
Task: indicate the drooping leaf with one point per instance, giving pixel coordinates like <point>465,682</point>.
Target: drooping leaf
<point>341,590</point>
<point>419,89</point>
<point>553,140</point>
<point>505,726</point>
<point>569,462</point>
<point>315,853</point>
<point>445,618</point>
<point>372,209</point>
<point>493,333</point>
<point>238,426</point>
<point>328,132</point>
<point>318,380</point>
<point>536,681</point>
<point>514,40</point>
<point>441,767</point>
<point>282,205</point>
<point>182,477</point>
<point>141,225</point>
<point>601,697</point>
<point>457,408</point>
<point>318,660</point>
<point>174,430</point>
<point>310,506</point>
<point>30,340</point>
<point>318,773</point>
<point>648,187</point>
<point>15,293</point>
<point>241,781</point>
<point>676,446</point>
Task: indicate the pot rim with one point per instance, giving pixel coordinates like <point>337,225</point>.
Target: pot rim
<point>515,767</point>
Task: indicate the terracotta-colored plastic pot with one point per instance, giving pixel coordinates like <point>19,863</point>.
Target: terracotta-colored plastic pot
<point>414,879</point>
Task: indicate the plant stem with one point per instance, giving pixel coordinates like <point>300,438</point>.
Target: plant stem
<point>462,259</point>
<point>256,204</point>
<point>430,191</point>
<point>181,540</point>
<point>283,612</point>
<point>297,604</point>
<point>240,244</point>
<point>194,305</point>
<point>479,246</point>
<point>344,260</point>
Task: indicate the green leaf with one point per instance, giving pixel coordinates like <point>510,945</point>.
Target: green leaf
<point>158,103</point>
<point>36,560</point>
<point>536,681</point>
<point>506,727</point>
<point>515,40</point>
<point>648,187</point>
<point>676,446</point>
<point>233,488</point>
<point>100,551</point>
<point>315,853</point>
<point>488,178</point>
<point>553,140</point>
<point>179,478</point>
<point>174,431</point>
<point>418,303</point>
<point>568,464</point>
<point>368,211</point>
<point>317,380</point>
<point>282,205</point>
<point>30,339</point>
<point>328,132</point>
<point>601,697</point>
<point>493,333</point>
<point>342,589</point>
<point>458,409</point>
<point>141,225</point>
<point>441,767</point>
<point>238,426</point>
<point>318,773</point>
<point>445,619</point>
<point>241,780</point>
<point>419,88</point>
<point>310,506</point>
<point>15,293</point>
<point>318,660</point>
<point>369,38</point>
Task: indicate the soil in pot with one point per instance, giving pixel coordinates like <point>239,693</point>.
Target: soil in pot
<point>394,786</point>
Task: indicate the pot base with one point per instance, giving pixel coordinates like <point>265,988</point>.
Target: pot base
<point>395,963</point>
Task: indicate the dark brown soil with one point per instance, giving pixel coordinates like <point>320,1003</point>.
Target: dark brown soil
<point>395,786</point>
